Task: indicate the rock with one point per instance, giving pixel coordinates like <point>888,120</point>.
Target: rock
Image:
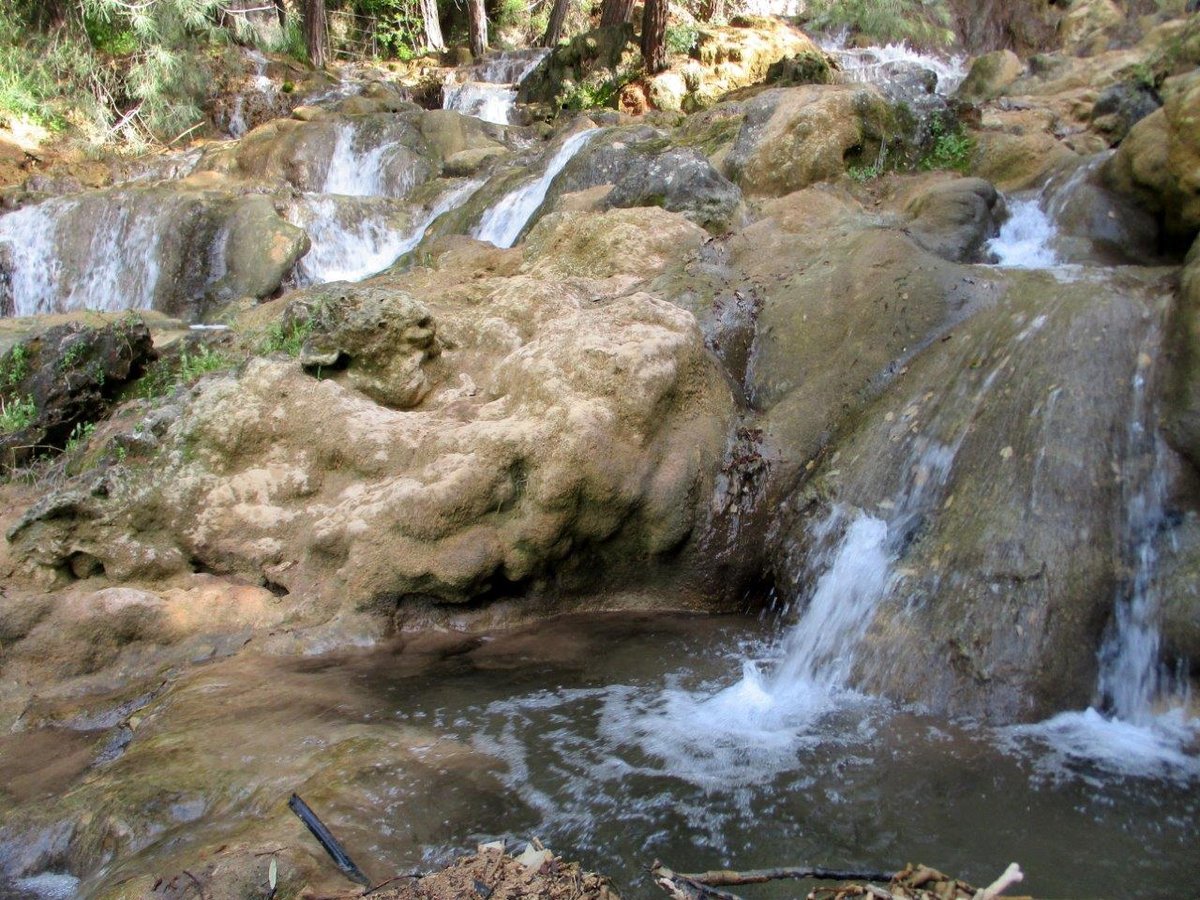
<point>66,376</point>
<point>968,459</point>
<point>466,163</point>
<point>1018,162</point>
<point>568,429</point>
<point>261,248</point>
<point>681,180</point>
<point>990,74</point>
<point>802,68</point>
<point>1159,162</point>
<point>1121,106</point>
<point>1182,388</point>
<point>794,137</point>
<point>1090,26</point>
<point>953,220</point>
<point>1180,590</point>
<point>666,91</point>
<point>380,342</point>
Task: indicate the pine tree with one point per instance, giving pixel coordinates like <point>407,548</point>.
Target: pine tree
<point>654,36</point>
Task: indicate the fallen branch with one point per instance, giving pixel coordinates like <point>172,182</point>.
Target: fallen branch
<point>725,877</point>
<point>326,839</point>
<point>680,887</point>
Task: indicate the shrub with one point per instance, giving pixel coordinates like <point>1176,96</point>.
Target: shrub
<point>952,148</point>
<point>922,22</point>
<point>681,39</point>
<point>16,413</point>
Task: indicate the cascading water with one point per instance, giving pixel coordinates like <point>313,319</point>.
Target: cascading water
<point>258,83</point>
<point>353,238</point>
<point>1026,237</point>
<point>503,223</point>
<point>873,65</point>
<point>489,90</point>
<point>117,257</point>
<point>355,174</point>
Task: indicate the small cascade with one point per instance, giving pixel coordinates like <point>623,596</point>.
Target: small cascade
<point>353,238</point>
<point>878,65</point>
<point>114,247</point>
<point>489,90</point>
<point>503,223</point>
<point>259,84</point>
<point>1026,238</point>
<point>354,174</point>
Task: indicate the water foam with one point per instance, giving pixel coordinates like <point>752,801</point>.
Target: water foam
<point>1025,238</point>
<point>503,223</point>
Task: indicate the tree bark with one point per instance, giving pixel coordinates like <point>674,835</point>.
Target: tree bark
<point>558,17</point>
<point>479,35</point>
<point>316,33</point>
<point>616,12</point>
<point>654,36</point>
<point>433,25</point>
<point>713,9</point>
<point>281,12</point>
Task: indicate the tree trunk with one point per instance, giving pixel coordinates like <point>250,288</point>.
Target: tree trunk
<point>713,9</point>
<point>616,12</point>
<point>479,35</point>
<point>654,36</point>
<point>281,12</point>
<point>558,17</point>
<point>433,25</point>
<point>316,33</point>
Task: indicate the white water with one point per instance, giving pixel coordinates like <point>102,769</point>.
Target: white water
<point>502,223</point>
<point>352,173</point>
<point>352,239</point>
<point>490,91</point>
<point>869,65</point>
<point>50,885</point>
<point>120,270</point>
<point>490,102</point>
<point>1025,238</point>
<point>259,83</point>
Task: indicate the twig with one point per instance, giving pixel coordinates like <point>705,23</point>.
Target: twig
<point>758,876</point>
<point>326,839</point>
<point>680,887</point>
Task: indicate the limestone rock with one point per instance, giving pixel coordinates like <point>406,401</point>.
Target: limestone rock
<point>381,342</point>
<point>681,180</point>
<point>955,219</point>
<point>794,137</point>
<point>1159,162</point>
<point>260,250</point>
<point>71,375</point>
<point>990,74</point>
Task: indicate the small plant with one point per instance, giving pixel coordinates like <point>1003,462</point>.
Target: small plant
<point>205,360</point>
<point>863,174</point>
<point>952,149</point>
<point>680,39</point>
<point>16,414</point>
<point>80,435</point>
<point>14,366</point>
<point>71,356</point>
<point>164,374</point>
<point>287,339</point>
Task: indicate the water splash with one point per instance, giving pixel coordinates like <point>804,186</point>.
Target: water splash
<point>118,268</point>
<point>489,90</point>
<point>353,238</point>
<point>353,172</point>
<point>503,223</point>
<point>1025,239</point>
<point>873,65</point>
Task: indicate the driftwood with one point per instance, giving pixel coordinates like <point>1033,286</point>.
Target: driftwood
<point>911,883</point>
<point>326,839</point>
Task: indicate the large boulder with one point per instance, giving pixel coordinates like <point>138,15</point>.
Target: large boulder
<point>1159,162</point>
<point>566,433</point>
<point>987,465</point>
<point>794,137</point>
<point>955,219</point>
<point>60,380</point>
<point>990,74</point>
<point>1182,393</point>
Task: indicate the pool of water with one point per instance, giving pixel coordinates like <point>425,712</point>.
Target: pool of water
<point>617,740</point>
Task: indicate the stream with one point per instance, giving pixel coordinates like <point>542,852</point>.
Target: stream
<point>617,739</point>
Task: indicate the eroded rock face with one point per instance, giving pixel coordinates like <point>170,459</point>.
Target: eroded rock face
<point>1159,162</point>
<point>564,425</point>
<point>1183,381</point>
<point>794,137</point>
<point>69,375</point>
<point>992,460</point>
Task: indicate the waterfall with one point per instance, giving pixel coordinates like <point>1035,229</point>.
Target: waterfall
<point>503,223</point>
<point>116,250</point>
<point>489,90</point>
<point>871,65</point>
<point>259,83</point>
<point>353,238</point>
<point>352,173</point>
<point>1025,238</point>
